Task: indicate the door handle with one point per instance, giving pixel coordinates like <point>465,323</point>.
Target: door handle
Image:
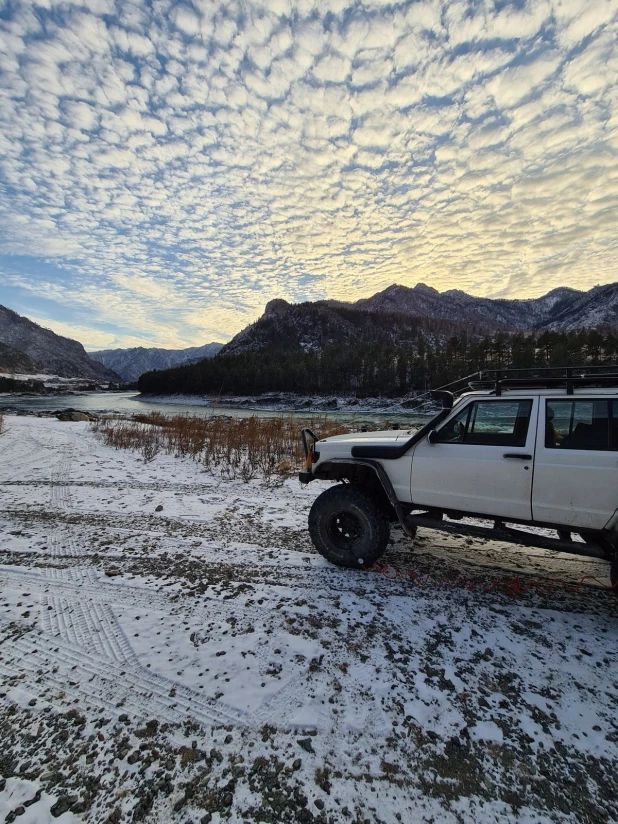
<point>518,455</point>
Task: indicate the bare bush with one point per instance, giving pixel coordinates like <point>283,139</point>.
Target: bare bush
<point>150,449</point>
<point>1,423</point>
<point>243,448</point>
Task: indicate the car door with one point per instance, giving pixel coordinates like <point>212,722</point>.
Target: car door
<point>482,461</point>
<point>576,462</point>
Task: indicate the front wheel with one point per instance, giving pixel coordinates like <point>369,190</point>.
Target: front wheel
<point>347,527</point>
<point>613,575</point>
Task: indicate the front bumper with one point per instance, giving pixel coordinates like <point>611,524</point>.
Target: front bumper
<point>306,477</point>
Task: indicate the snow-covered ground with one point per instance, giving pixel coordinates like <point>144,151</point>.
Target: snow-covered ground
<point>202,663</point>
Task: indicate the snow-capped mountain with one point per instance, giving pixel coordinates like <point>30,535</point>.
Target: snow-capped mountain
<point>594,309</point>
<point>30,346</point>
<point>131,363</point>
<point>521,315</point>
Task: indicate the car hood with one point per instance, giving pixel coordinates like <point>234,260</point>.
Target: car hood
<point>380,438</point>
<point>340,446</point>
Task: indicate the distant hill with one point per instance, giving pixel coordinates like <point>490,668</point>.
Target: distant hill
<point>596,309</point>
<point>131,363</point>
<point>30,347</point>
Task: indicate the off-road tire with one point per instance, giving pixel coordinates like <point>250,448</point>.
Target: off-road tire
<point>348,528</point>
<point>613,575</point>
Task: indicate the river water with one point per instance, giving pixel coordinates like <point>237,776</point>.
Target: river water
<point>132,403</point>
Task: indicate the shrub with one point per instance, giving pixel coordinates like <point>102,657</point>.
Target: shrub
<point>232,447</point>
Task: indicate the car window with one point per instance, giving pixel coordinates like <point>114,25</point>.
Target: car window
<point>581,424</point>
<point>499,423</point>
<point>455,429</point>
<point>489,423</point>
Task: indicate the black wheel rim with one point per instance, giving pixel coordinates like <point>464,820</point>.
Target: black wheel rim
<point>344,530</point>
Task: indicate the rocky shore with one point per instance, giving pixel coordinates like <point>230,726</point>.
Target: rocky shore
<point>287,402</point>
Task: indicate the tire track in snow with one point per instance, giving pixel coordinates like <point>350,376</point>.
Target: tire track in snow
<point>38,658</point>
<point>83,653</point>
<point>79,614</point>
<point>81,649</point>
<point>89,625</point>
<point>60,496</point>
<point>75,583</point>
<point>60,542</point>
<point>72,575</point>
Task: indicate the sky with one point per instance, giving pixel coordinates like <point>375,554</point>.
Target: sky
<point>167,168</point>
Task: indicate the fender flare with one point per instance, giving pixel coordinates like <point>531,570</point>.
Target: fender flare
<point>384,480</point>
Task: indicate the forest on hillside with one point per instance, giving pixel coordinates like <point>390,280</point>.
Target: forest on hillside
<point>369,369</point>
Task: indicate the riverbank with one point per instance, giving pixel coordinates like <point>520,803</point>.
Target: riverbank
<point>132,403</point>
<point>271,402</point>
<point>283,402</point>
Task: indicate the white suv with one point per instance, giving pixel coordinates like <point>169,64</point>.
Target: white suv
<point>537,452</point>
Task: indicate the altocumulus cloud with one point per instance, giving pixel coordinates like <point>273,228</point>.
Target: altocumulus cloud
<point>167,167</point>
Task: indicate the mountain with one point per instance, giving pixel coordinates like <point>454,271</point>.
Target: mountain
<point>131,363</point>
<point>595,309</point>
<point>562,309</point>
<point>496,314</point>
<point>422,310</point>
<point>311,327</point>
<point>46,352</point>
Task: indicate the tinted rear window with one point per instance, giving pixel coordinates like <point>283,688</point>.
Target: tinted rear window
<point>590,424</point>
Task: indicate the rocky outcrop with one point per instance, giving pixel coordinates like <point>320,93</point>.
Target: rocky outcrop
<point>74,415</point>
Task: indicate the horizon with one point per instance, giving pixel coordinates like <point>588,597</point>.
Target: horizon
<point>167,169</point>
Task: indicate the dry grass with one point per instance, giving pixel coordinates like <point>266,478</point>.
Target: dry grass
<point>245,448</point>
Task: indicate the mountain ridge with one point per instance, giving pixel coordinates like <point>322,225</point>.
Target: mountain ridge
<point>45,351</point>
<point>312,326</point>
<point>506,314</point>
<point>397,316</point>
<point>132,362</point>
<point>422,310</point>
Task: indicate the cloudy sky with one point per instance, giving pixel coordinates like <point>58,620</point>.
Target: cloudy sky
<point>167,168</point>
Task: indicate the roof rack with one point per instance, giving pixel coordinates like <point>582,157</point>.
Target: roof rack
<point>552,377</point>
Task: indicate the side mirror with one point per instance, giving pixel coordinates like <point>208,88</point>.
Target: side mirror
<point>433,436</point>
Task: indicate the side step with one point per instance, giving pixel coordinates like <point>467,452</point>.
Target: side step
<point>511,536</point>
